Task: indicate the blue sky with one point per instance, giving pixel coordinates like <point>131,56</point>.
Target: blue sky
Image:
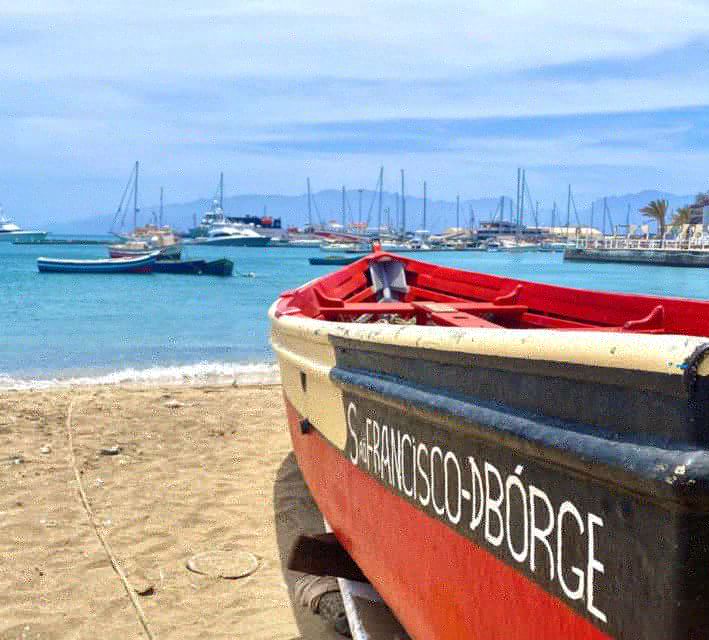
<point>458,93</point>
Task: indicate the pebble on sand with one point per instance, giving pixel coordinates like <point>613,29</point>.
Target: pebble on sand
<point>111,451</point>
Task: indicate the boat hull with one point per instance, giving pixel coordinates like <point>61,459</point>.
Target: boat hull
<point>172,252</point>
<point>23,237</point>
<point>490,494</point>
<point>128,265</point>
<point>334,260</point>
<point>222,267</point>
<point>228,241</point>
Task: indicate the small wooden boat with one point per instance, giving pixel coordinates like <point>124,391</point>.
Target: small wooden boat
<point>137,249</point>
<point>505,459</point>
<point>334,260</point>
<point>221,267</point>
<point>143,264</point>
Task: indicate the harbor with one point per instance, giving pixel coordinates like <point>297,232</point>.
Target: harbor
<point>376,321</point>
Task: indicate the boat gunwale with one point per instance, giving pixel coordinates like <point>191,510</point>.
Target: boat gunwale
<point>666,354</point>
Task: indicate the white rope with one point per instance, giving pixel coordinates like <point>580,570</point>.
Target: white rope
<point>99,534</point>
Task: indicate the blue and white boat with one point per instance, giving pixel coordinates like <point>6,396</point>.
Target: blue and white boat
<point>10,232</point>
<point>142,264</point>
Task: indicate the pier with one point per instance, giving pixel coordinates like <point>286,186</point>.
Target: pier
<point>668,253</point>
<point>67,241</point>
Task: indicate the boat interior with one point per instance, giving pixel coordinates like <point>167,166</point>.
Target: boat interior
<point>384,287</point>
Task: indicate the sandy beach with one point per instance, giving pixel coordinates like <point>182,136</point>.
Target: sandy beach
<point>197,469</point>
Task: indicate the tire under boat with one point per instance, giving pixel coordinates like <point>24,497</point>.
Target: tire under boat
<point>503,459</point>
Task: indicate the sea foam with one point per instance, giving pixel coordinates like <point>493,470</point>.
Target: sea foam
<point>237,373</point>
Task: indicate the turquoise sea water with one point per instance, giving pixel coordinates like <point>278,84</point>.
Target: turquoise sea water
<point>56,327</point>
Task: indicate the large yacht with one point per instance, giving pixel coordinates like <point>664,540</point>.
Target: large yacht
<point>10,232</point>
<point>217,229</point>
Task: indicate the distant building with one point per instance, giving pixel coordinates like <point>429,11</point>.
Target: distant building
<point>496,228</point>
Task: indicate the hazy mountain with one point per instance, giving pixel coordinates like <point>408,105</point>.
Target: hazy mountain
<point>327,205</point>
<point>293,210</point>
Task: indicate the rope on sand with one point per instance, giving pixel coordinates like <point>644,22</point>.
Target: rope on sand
<point>101,537</point>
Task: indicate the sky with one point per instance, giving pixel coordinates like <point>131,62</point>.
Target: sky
<point>613,98</point>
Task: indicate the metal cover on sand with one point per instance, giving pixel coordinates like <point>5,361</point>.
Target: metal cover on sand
<point>223,564</point>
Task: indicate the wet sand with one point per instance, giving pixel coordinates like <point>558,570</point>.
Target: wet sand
<point>199,469</point>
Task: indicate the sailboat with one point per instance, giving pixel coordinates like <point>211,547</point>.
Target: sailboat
<point>149,237</point>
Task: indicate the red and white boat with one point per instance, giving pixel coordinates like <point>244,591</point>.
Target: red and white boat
<point>506,460</point>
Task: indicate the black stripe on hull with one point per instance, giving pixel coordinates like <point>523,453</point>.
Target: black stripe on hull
<point>632,403</point>
<point>625,523</point>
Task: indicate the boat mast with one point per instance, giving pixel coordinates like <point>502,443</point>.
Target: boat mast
<point>519,179</point>
<point>592,212</point>
<point>403,206</point>
<point>605,207</point>
<point>627,221</point>
<point>359,209</point>
<point>161,202</point>
<point>424,205</point>
<point>344,222</point>
<point>310,210</point>
<point>381,194</point>
<point>135,197</point>
<point>221,190</point>
<point>396,214</point>
<point>521,206</point>
<point>457,212</point>
<point>568,213</point>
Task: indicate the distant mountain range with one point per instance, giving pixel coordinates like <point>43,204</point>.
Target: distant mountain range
<point>327,206</point>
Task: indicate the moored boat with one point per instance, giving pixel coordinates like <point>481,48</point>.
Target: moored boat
<point>133,249</point>
<point>334,260</point>
<point>221,267</point>
<point>142,264</point>
<point>506,459</point>
<point>10,232</point>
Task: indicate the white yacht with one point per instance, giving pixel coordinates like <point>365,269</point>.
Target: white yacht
<point>219,230</point>
<point>10,232</point>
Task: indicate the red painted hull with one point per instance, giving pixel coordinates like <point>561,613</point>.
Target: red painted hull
<point>440,585</point>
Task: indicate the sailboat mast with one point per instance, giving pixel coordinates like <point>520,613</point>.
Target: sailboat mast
<point>310,210</point>
<point>568,212</point>
<point>221,190</point>
<point>424,204</point>
<point>519,179</point>
<point>592,212</point>
<point>520,218</point>
<point>344,222</point>
<point>457,212</point>
<point>381,194</point>
<point>135,197</point>
<point>403,205</point>
<point>161,206</point>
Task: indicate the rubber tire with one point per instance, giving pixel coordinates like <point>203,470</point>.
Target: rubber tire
<point>332,610</point>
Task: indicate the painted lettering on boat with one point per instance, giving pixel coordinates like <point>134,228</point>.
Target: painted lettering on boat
<point>513,516</point>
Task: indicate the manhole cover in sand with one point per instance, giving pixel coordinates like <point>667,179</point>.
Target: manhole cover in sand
<point>223,564</point>
<point>27,632</point>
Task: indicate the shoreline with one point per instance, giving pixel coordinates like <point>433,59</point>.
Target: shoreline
<point>189,375</point>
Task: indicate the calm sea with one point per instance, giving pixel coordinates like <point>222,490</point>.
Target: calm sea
<point>60,328</point>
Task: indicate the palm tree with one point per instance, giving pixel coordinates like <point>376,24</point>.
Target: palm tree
<point>681,217</point>
<point>657,210</point>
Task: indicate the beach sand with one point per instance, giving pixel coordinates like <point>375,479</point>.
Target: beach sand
<point>199,469</point>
